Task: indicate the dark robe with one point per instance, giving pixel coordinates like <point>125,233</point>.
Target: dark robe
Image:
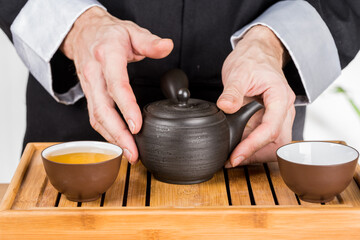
<point>201,33</point>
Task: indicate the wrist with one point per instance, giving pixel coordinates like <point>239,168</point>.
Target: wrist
<point>266,37</point>
<point>85,19</point>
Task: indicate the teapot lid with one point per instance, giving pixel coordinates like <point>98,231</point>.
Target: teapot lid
<point>182,107</point>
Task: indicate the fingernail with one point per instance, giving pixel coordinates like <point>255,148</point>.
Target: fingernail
<point>131,126</point>
<point>127,155</point>
<point>228,164</point>
<point>237,161</point>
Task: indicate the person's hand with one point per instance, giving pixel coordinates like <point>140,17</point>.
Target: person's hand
<point>101,46</point>
<point>254,70</point>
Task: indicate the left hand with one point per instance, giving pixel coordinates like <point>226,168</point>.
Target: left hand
<point>254,70</point>
<point>101,46</point>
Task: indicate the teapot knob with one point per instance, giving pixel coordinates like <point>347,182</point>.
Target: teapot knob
<point>172,81</point>
<point>183,96</point>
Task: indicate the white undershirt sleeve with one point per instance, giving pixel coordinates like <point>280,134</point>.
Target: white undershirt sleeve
<point>38,31</point>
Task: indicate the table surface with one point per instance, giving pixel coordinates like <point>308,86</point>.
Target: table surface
<point>248,202</point>
<point>252,186</point>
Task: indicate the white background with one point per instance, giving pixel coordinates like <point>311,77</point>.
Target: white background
<point>330,117</point>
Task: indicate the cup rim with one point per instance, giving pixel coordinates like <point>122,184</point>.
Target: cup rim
<point>318,165</point>
<point>43,152</point>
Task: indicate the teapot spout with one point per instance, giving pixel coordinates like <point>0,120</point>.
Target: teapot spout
<point>238,120</point>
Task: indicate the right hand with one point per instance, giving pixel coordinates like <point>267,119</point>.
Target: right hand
<point>101,46</point>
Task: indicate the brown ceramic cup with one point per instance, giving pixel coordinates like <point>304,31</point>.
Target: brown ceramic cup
<point>317,171</point>
<point>82,182</point>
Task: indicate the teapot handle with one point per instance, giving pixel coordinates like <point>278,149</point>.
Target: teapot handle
<point>172,81</point>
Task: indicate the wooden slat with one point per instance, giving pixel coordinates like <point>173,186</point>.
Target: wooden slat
<point>335,201</point>
<point>209,193</point>
<point>3,187</point>
<point>283,194</point>
<point>183,223</point>
<point>48,195</point>
<point>64,202</point>
<point>309,204</point>
<point>137,186</point>
<point>32,184</point>
<point>260,185</point>
<point>238,186</point>
<point>351,195</point>
<point>17,179</point>
<point>95,203</point>
<point>115,194</point>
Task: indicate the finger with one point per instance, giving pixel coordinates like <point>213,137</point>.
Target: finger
<point>228,164</point>
<point>96,125</point>
<point>109,118</point>
<point>268,153</point>
<point>103,116</point>
<point>136,58</point>
<point>269,130</point>
<point>233,94</point>
<point>90,71</point>
<point>148,44</point>
<point>118,86</point>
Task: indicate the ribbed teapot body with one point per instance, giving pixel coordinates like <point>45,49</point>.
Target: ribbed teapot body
<point>183,151</point>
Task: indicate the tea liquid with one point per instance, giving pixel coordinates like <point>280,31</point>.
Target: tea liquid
<point>81,158</point>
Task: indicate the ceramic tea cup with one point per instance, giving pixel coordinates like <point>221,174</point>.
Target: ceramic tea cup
<point>317,171</point>
<point>82,182</point>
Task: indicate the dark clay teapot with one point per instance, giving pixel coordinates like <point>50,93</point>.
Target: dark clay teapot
<point>185,140</point>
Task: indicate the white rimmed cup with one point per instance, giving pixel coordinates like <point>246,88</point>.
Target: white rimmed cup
<point>82,182</point>
<point>317,171</point>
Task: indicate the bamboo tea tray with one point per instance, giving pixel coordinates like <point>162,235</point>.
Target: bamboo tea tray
<point>247,202</point>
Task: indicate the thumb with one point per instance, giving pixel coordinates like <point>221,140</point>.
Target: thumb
<point>149,45</point>
<point>231,98</point>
